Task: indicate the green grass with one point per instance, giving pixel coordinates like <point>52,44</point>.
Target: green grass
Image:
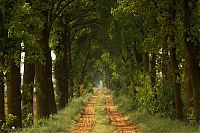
<point>147,123</point>
<point>63,122</point>
<point>101,120</point>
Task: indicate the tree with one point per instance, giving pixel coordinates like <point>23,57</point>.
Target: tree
<point>192,72</point>
<point>3,38</point>
<point>14,82</point>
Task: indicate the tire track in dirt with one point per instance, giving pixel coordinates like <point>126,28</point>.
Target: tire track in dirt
<point>86,121</point>
<point>116,118</point>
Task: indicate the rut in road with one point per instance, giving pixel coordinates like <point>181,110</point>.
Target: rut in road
<point>86,122</point>
<point>116,118</point>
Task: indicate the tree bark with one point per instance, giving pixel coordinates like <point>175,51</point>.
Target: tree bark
<point>174,64</point>
<point>71,85</point>
<point>192,70</point>
<point>66,74</point>
<point>66,43</point>
<point>42,77</point>
<point>45,97</point>
<point>2,105</point>
<point>176,84</point>
<point>59,85</point>
<point>14,93</point>
<point>62,68</point>
<point>3,38</point>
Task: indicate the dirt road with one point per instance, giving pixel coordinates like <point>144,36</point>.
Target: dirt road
<point>100,115</point>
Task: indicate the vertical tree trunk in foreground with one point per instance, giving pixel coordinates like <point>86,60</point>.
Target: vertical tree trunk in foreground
<point>174,64</point>
<point>3,37</point>
<point>42,79</point>
<point>59,85</point>
<point>176,84</point>
<point>192,70</point>
<point>61,67</point>
<point>45,94</point>
<point>2,105</point>
<point>14,93</point>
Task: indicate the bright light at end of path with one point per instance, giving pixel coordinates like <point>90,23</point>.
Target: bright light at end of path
<point>100,84</point>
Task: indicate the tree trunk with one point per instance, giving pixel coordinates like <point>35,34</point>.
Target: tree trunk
<point>62,66</point>
<point>2,105</point>
<point>192,70</point>
<point>45,97</point>
<point>66,43</point>
<point>3,38</point>
<point>174,64</point>
<point>176,84</point>
<point>41,77</point>
<point>28,82</point>
<point>59,84</point>
<point>66,74</point>
<point>13,93</point>
<point>153,74</point>
<point>71,85</point>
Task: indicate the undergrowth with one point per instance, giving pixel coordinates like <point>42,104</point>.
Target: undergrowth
<point>148,123</point>
<point>63,122</point>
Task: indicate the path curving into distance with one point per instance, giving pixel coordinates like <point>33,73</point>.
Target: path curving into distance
<point>86,122</point>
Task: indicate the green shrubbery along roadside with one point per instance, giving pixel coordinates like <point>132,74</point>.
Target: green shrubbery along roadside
<point>64,121</point>
<point>147,123</point>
